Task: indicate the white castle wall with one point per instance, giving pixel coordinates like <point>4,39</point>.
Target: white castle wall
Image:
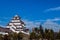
<point>16,26</point>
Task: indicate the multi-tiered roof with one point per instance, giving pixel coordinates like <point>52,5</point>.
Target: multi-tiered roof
<point>16,24</point>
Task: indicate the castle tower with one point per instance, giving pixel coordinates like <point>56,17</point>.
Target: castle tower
<point>16,24</point>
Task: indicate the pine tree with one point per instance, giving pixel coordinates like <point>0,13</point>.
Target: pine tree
<point>41,31</point>
<point>1,38</point>
<point>32,35</point>
<point>15,36</point>
<point>58,35</point>
<point>20,36</point>
<point>36,29</point>
<point>49,34</point>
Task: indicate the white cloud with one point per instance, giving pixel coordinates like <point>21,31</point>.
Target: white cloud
<point>52,25</point>
<point>31,24</point>
<point>36,23</point>
<point>48,23</point>
<point>52,9</point>
<point>55,19</point>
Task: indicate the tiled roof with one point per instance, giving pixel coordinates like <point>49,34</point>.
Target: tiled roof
<point>5,29</point>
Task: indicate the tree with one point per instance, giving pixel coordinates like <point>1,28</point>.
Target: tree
<point>58,35</point>
<point>15,36</point>
<point>39,36</point>
<point>6,37</point>
<point>1,38</point>
<point>36,29</point>
<point>49,34</point>
<point>46,34</point>
<point>41,31</point>
<point>32,35</point>
<point>10,36</point>
<point>20,36</point>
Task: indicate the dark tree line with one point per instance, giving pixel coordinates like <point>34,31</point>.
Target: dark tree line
<point>48,34</point>
<point>36,34</point>
<point>13,36</point>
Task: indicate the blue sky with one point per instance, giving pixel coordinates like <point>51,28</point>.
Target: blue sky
<point>32,11</point>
